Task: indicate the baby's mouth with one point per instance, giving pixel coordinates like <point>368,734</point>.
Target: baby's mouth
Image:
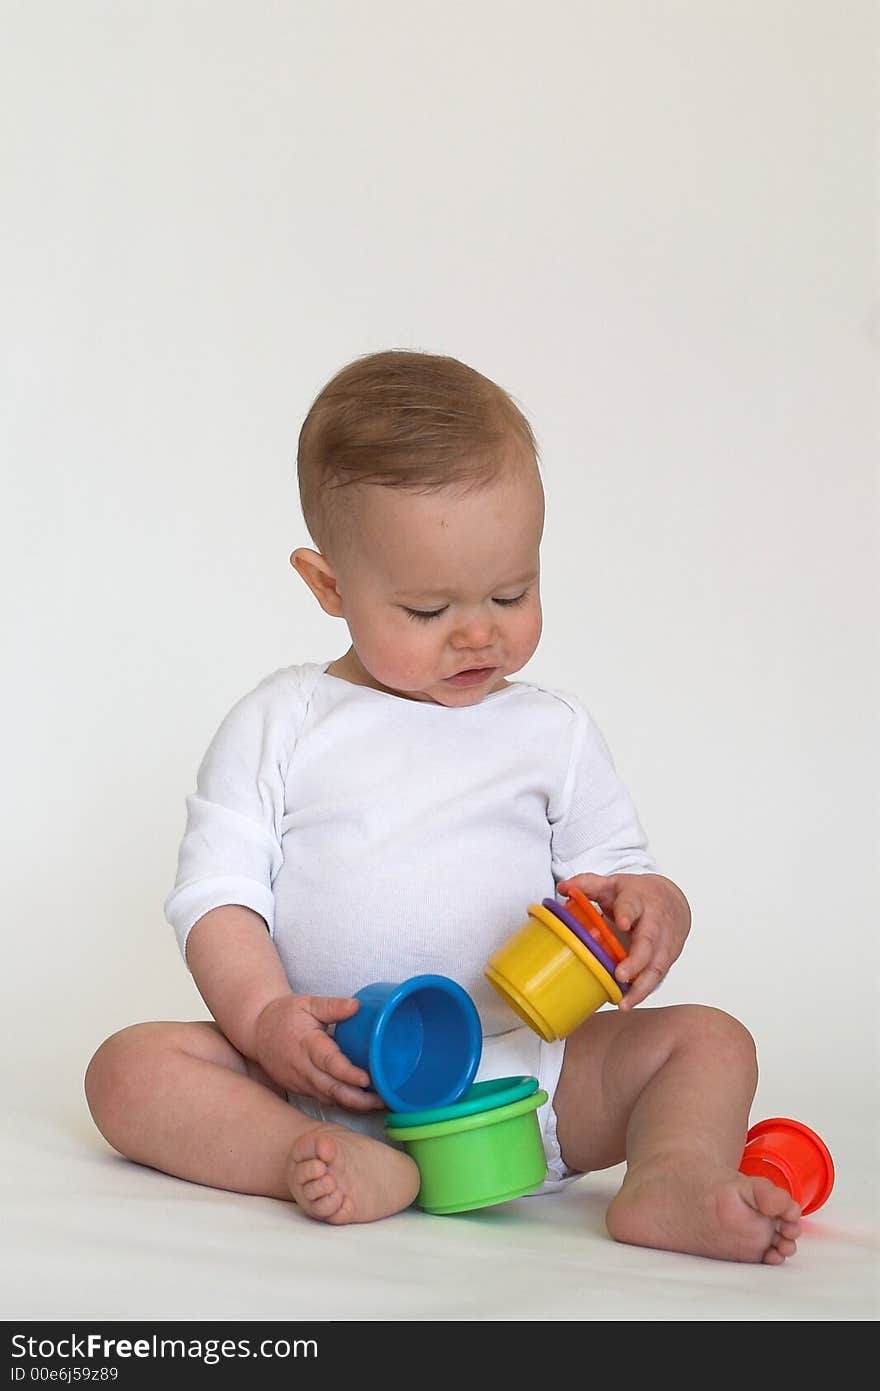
<point>471,676</point>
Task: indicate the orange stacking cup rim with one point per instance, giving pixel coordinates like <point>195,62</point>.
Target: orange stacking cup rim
<point>776,1123</point>
<point>583,954</point>
<point>589,917</point>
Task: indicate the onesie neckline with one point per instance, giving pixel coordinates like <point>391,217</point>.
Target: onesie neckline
<point>423,704</point>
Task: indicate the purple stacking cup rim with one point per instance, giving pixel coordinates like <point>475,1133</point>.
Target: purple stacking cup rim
<point>583,936</point>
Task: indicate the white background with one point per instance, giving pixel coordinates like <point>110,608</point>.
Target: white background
<point>655,224</point>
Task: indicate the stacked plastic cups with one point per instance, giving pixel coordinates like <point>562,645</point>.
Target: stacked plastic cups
<point>559,968</point>
<point>475,1144</point>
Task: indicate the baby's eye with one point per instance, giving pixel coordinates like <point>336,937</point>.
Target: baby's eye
<point>425,615</point>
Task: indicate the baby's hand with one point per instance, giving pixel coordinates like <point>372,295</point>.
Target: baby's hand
<point>293,1046</point>
<point>657,914</point>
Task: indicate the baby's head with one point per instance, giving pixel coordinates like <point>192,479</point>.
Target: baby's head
<point>420,488</point>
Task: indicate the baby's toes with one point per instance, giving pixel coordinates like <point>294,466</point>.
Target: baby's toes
<point>328,1205</point>
<point>344,1213</point>
<point>784,1246</point>
<point>775,1202</point>
<point>325,1147</point>
<point>308,1170</point>
<point>773,1257</point>
<point>318,1187</point>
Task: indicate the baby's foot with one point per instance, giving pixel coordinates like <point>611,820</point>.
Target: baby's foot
<point>730,1216</point>
<point>337,1175</point>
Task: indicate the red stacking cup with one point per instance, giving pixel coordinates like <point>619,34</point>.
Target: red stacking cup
<point>792,1156</point>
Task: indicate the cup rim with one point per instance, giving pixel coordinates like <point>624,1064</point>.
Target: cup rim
<point>785,1123</point>
<point>583,935</point>
<point>583,954</point>
<point>474,1040</point>
<point>579,903</point>
<point>435,1131</point>
<point>506,1090</point>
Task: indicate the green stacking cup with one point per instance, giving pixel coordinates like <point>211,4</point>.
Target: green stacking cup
<point>479,1159</point>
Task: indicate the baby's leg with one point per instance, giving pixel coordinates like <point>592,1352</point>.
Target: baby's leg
<point>669,1091</point>
<point>178,1097</point>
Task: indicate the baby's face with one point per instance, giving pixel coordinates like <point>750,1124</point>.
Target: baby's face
<point>441,591</point>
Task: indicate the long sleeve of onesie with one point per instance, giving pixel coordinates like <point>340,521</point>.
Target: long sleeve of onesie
<point>231,849</point>
<point>595,829</point>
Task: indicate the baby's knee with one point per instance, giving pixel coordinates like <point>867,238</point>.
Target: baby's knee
<point>118,1069</point>
<point>715,1031</point>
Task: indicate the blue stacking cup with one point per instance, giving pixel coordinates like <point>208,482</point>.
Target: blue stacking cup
<point>420,1040</point>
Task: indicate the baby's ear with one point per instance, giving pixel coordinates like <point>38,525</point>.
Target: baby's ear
<point>318,574</point>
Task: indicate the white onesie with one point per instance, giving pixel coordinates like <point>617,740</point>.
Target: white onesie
<point>382,838</point>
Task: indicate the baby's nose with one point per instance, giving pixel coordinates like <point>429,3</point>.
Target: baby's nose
<point>475,633</point>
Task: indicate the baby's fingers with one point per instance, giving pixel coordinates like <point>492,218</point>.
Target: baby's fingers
<point>336,1080</point>
<point>601,888</point>
<point>644,969</point>
<point>337,1093</point>
<point>328,1058</point>
<point>641,986</point>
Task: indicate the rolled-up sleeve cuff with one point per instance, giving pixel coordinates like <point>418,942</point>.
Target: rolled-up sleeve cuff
<point>186,904</point>
<point>604,865</point>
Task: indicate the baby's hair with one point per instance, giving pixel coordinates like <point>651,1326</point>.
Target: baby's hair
<point>403,420</point>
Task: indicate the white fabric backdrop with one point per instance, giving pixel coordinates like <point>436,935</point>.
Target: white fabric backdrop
<point>655,225</point>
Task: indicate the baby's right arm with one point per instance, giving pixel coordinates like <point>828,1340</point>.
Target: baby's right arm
<point>242,981</point>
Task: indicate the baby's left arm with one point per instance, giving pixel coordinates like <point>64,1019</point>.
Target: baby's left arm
<point>653,910</point>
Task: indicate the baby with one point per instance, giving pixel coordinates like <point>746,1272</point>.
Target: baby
<point>393,812</point>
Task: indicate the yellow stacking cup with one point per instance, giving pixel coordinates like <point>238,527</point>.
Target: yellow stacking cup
<point>549,978</point>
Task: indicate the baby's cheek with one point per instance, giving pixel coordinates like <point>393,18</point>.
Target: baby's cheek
<point>527,636</point>
<point>399,661</point>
